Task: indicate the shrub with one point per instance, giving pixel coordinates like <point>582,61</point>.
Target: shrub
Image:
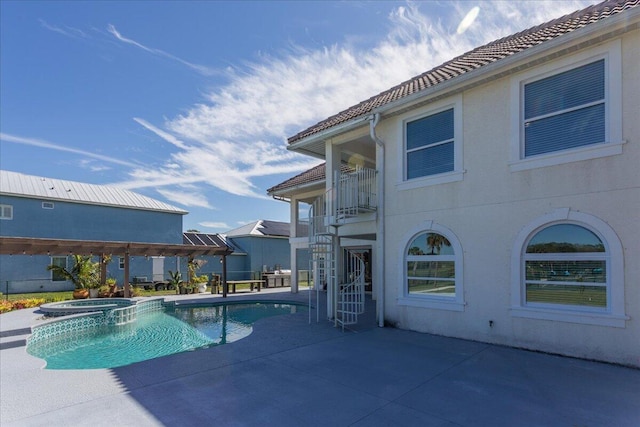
<point>6,306</point>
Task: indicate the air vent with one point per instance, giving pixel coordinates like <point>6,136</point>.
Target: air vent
<point>47,205</point>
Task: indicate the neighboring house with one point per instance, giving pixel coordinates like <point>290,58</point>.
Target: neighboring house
<point>497,195</point>
<point>264,245</point>
<point>36,207</point>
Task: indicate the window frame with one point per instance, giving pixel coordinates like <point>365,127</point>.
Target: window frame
<point>612,145</point>
<point>456,174</point>
<point>612,315</point>
<point>441,302</point>
<point>9,208</point>
<point>66,266</point>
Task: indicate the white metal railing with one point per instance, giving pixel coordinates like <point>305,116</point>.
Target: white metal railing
<point>356,192</point>
<point>350,298</point>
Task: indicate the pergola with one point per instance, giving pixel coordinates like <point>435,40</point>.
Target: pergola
<point>37,246</point>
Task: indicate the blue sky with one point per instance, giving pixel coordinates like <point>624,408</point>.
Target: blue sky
<point>191,102</point>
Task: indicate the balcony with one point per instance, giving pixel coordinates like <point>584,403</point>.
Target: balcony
<point>353,194</point>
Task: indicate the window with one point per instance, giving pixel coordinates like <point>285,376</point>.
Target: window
<point>47,205</point>
<point>432,150</point>
<point>432,270</point>
<point>6,212</point>
<point>121,263</point>
<point>565,111</point>
<point>569,267</point>
<point>566,264</point>
<point>60,261</point>
<point>431,266</point>
<point>569,110</point>
<point>430,145</point>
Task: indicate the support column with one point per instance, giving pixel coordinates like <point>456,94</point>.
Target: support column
<point>127,286</point>
<point>294,214</point>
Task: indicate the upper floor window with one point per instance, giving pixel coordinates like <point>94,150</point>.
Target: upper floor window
<point>568,266</point>
<point>432,150</point>
<point>6,212</point>
<point>433,269</point>
<point>430,145</point>
<point>568,110</point>
<point>121,263</point>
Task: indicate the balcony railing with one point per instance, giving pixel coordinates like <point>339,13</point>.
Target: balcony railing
<point>353,194</point>
<point>356,192</point>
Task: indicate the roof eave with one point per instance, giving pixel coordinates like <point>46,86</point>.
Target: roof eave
<point>609,28</point>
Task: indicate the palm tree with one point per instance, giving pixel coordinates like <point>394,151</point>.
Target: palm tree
<point>435,241</point>
<point>85,273</point>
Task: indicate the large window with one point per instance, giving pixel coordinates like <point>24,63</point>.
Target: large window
<point>60,261</point>
<point>430,142</point>
<point>568,266</point>
<point>568,110</point>
<point>432,269</point>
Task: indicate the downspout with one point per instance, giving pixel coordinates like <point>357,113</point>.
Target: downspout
<point>373,121</point>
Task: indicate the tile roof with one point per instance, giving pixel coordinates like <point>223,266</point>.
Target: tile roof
<point>474,59</point>
<point>21,185</point>
<point>315,174</point>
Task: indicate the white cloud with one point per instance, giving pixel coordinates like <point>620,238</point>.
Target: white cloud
<point>218,225</point>
<point>185,197</point>
<point>66,31</point>
<point>239,133</point>
<point>199,68</point>
<point>46,144</point>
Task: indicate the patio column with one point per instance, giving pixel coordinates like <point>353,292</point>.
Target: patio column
<point>103,269</point>
<point>224,276</point>
<point>127,287</point>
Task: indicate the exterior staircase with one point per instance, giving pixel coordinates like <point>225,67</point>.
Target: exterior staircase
<point>353,194</point>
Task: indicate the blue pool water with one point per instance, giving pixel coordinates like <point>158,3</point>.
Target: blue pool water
<point>155,334</point>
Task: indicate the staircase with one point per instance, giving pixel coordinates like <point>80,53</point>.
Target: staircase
<point>350,301</point>
<point>346,299</point>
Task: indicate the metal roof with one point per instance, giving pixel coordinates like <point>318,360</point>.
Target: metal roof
<point>263,228</point>
<point>471,61</point>
<point>30,186</point>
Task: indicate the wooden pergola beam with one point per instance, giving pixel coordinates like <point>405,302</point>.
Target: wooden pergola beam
<point>37,246</point>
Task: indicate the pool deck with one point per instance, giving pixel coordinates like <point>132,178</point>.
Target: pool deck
<point>292,373</point>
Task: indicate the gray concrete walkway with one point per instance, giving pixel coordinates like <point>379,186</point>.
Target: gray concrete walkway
<point>290,373</point>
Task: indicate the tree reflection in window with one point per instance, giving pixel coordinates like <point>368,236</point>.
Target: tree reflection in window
<point>431,266</point>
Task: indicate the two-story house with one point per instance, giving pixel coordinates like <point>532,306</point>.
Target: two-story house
<point>89,219</point>
<point>495,197</point>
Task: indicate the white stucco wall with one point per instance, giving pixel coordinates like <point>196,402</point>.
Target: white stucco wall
<point>491,204</point>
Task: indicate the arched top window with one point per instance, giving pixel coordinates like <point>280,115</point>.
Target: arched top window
<point>431,266</point>
<point>568,266</point>
<point>565,238</point>
<point>432,262</point>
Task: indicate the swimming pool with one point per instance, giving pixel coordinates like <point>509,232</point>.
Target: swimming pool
<point>154,333</point>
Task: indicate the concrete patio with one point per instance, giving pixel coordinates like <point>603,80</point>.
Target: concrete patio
<point>292,373</point>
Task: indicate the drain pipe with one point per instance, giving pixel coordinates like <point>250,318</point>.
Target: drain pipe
<point>373,121</point>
